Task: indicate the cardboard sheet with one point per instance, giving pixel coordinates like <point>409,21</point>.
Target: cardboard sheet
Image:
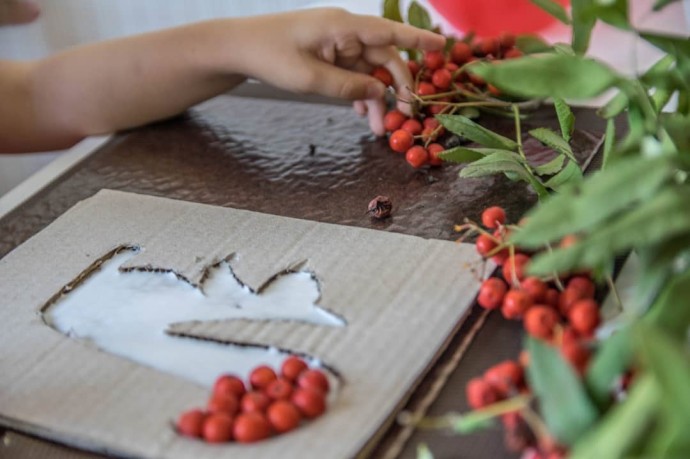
<point>402,296</point>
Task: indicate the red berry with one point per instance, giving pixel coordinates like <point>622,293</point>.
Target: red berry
<point>314,379</point>
<point>540,321</point>
<point>518,265</point>
<point>292,367</point>
<point>505,377</point>
<point>568,297</point>
<point>485,244</point>
<point>413,66</point>
<point>577,354</point>
<point>460,52</point>
<point>310,402</point>
<point>480,393</point>
<point>412,126</point>
<point>583,283</point>
<point>223,403</point>
<point>229,384</point>
<point>551,297</point>
<point>502,256</point>
<point>490,46</point>
<point>262,376</point>
<point>254,401</point>
<point>190,423</point>
<point>491,293</point>
<point>515,304</point>
<point>280,389</point>
<point>476,80</point>
<point>512,53</point>
<point>429,134</point>
<point>417,156</point>
<point>535,288</point>
<point>452,67</point>
<point>434,60</point>
<point>507,40</point>
<point>393,120</point>
<point>251,427</point>
<point>493,90</point>
<point>401,141</point>
<point>283,416</point>
<point>383,75</point>
<point>435,150</point>
<point>218,428</point>
<point>442,78</point>
<point>432,123</point>
<point>493,217</point>
<point>426,89</point>
<point>436,109</point>
<point>584,316</point>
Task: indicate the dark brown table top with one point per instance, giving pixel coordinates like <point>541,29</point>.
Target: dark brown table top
<point>313,161</point>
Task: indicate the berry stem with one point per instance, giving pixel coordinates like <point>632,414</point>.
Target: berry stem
<point>614,291</point>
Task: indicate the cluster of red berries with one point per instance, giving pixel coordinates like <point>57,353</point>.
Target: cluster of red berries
<point>273,404</point>
<point>440,81</point>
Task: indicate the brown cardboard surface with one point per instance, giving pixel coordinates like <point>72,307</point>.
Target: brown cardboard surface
<point>402,296</point>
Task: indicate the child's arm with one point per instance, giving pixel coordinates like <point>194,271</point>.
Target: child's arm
<point>109,86</point>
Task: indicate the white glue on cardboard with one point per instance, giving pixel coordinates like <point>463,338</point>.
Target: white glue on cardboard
<point>401,298</point>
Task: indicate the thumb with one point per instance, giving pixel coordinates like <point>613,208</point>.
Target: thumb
<point>332,81</point>
<point>14,12</point>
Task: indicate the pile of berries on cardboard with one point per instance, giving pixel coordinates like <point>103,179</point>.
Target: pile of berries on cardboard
<point>560,311</point>
<point>272,404</point>
<point>441,82</point>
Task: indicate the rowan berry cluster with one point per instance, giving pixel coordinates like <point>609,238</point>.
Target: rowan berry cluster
<point>442,85</point>
<point>560,311</point>
<point>271,404</point>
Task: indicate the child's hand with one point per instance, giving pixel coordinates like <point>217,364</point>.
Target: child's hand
<point>331,52</point>
<point>17,12</point>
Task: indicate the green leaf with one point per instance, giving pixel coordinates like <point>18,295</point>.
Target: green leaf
<point>669,364</point>
<point>571,174</point>
<point>661,98</point>
<point>615,106</point>
<point>554,9</point>
<point>604,194</point>
<point>626,424</point>
<point>423,452</point>
<point>552,167</point>
<point>391,10</point>
<point>582,12</point>
<point>464,126</point>
<point>566,119</point>
<point>670,311</point>
<point>659,264</point>
<point>563,402</point>
<point>662,217</point>
<point>550,75</point>
<point>613,358</point>
<point>501,161</point>
<point>531,44</point>
<point>660,4</point>
<point>419,17</point>
<point>609,140</point>
<point>553,140</point>
<point>466,155</point>
<point>562,48</point>
<point>676,46</point>
<point>614,12</point>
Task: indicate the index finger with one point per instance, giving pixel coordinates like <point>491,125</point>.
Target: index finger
<point>375,31</point>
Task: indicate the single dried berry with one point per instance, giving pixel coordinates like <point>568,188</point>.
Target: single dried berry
<point>493,217</point>
<point>515,304</point>
<point>540,321</point>
<point>417,156</point>
<point>393,120</point>
<point>379,207</point>
<point>491,293</point>
<point>190,423</point>
<point>280,389</point>
<point>401,141</point>
<point>283,416</point>
<point>310,402</point>
<point>251,427</point>
<point>435,149</point>
<point>383,75</point>
<point>229,384</point>
<point>584,316</point>
<point>254,401</point>
<point>314,379</point>
<point>293,365</point>
<point>262,376</point>
<point>480,393</point>
<point>218,428</point>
